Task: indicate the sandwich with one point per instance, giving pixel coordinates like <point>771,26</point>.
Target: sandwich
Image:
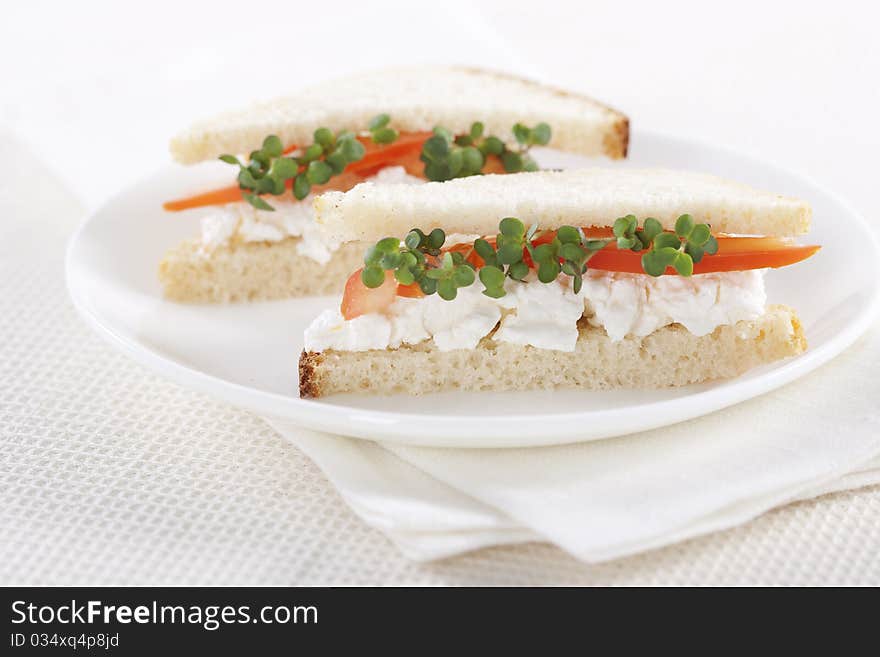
<point>589,278</point>
<point>393,127</point>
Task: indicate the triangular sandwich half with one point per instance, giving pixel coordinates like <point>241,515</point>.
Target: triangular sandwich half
<point>259,240</point>
<point>592,278</point>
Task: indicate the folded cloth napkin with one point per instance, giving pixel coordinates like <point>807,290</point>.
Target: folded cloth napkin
<point>610,498</point>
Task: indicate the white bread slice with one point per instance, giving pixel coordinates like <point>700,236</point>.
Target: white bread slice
<point>253,271</point>
<point>578,197</point>
<point>417,99</point>
<point>671,356</point>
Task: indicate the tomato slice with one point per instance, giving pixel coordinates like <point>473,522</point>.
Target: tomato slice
<point>358,299</point>
<point>412,291</point>
<point>405,151</point>
<point>734,254</point>
<point>231,194</point>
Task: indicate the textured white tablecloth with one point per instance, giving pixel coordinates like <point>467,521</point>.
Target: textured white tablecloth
<point>109,475</point>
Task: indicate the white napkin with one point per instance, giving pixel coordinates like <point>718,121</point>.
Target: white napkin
<point>610,498</point>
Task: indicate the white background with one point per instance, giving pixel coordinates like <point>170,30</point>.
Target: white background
<point>99,87</point>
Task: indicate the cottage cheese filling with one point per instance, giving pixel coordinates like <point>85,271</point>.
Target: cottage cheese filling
<point>290,219</point>
<point>546,315</point>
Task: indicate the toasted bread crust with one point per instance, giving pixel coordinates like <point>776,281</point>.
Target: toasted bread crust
<point>309,374</point>
<point>671,356</point>
<point>617,141</point>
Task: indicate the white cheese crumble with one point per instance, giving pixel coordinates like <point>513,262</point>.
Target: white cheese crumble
<point>546,315</point>
<point>636,304</point>
<point>290,219</point>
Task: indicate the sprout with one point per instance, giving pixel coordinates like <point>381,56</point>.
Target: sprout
<point>447,156</point>
<point>567,250</point>
<point>269,170</point>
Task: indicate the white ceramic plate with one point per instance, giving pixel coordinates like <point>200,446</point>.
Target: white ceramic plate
<point>247,354</point>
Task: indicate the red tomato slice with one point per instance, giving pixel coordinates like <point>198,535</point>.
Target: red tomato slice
<point>358,299</point>
<point>734,254</point>
<point>412,291</point>
<point>405,151</point>
<point>231,194</point>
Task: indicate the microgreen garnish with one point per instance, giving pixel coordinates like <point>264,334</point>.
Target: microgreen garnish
<point>447,156</point>
<point>269,169</point>
<point>566,251</point>
<point>680,249</point>
<point>418,261</point>
<point>380,132</point>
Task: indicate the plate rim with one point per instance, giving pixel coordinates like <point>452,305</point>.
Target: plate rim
<point>563,428</point>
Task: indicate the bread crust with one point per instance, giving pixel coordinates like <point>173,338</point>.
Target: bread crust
<point>310,374</point>
<point>581,197</point>
<point>417,98</point>
<point>671,356</point>
<point>616,139</point>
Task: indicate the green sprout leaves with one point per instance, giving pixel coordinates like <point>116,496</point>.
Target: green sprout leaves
<point>258,202</point>
<point>505,258</point>
<point>526,136</point>
<point>419,260</point>
<point>447,156</point>
<point>452,273</point>
<point>519,160</point>
<point>380,132</point>
<point>680,249</point>
<point>269,170</point>
<point>567,253</point>
<point>326,157</point>
<point>516,252</point>
<point>435,155</point>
